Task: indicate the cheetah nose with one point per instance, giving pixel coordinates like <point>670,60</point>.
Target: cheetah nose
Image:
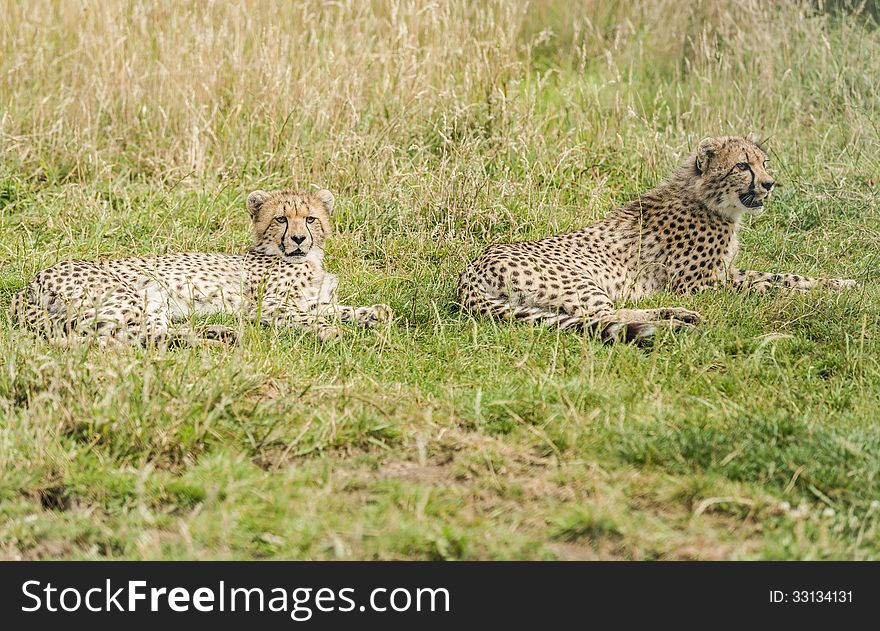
<point>298,238</point>
<point>768,185</point>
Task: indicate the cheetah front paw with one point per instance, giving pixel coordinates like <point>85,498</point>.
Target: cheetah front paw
<point>372,315</point>
<point>683,315</point>
<point>327,333</point>
<point>840,284</point>
<point>219,333</point>
<point>384,313</point>
<point>674,324</point>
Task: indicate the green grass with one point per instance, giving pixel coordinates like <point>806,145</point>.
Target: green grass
<point>440,437</point>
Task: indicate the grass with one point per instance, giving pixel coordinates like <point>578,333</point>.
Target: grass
<point>139,128</point>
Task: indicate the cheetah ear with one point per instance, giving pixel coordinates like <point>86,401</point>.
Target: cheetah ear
<point>753,137</point>
<point>705,152</point>
<point>327,199</point>
<point>255,201</point>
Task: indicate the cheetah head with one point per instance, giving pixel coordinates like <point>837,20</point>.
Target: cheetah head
<point>731,174</point>
<point>290,224</point>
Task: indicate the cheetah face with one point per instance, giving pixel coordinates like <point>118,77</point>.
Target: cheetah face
<point>733,174</point>
<point>290,224</point>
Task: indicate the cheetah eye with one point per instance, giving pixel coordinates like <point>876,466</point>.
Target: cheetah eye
<point>280,219</point>
<point>310,219</point>
<point>743,166</point>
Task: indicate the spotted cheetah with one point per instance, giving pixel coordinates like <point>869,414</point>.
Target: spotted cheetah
<point>679,237</point>
<point>279,281</point>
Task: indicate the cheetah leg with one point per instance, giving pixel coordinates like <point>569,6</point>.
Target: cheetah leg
<point>478,297</point>
<point>583,305</point>
<point>748,280</point>
<point>638,325</point>
<point>108,314</point>
<point>588,301</point>
<point>365,316</point>
<point>159,330</point>
<point>218,333</point>
<point>275,315</point>
<point>184,334</point>
<point>109,320</point>
<point>664,313</point>
<point>319,324</point>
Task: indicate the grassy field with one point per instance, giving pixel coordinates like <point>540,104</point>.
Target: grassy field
<point>133,127</point>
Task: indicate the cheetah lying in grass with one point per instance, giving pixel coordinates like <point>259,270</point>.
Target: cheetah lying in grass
<point>279,281</point>
<point>680,237</point>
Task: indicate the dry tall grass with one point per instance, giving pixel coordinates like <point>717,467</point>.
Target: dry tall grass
<point>361,90</point>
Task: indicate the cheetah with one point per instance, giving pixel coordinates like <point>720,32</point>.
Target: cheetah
<point>680,237</point>
<point>280,281</point>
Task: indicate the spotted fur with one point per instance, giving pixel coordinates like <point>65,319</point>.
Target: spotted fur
<point>678,237</point>
<point>280,281</point>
